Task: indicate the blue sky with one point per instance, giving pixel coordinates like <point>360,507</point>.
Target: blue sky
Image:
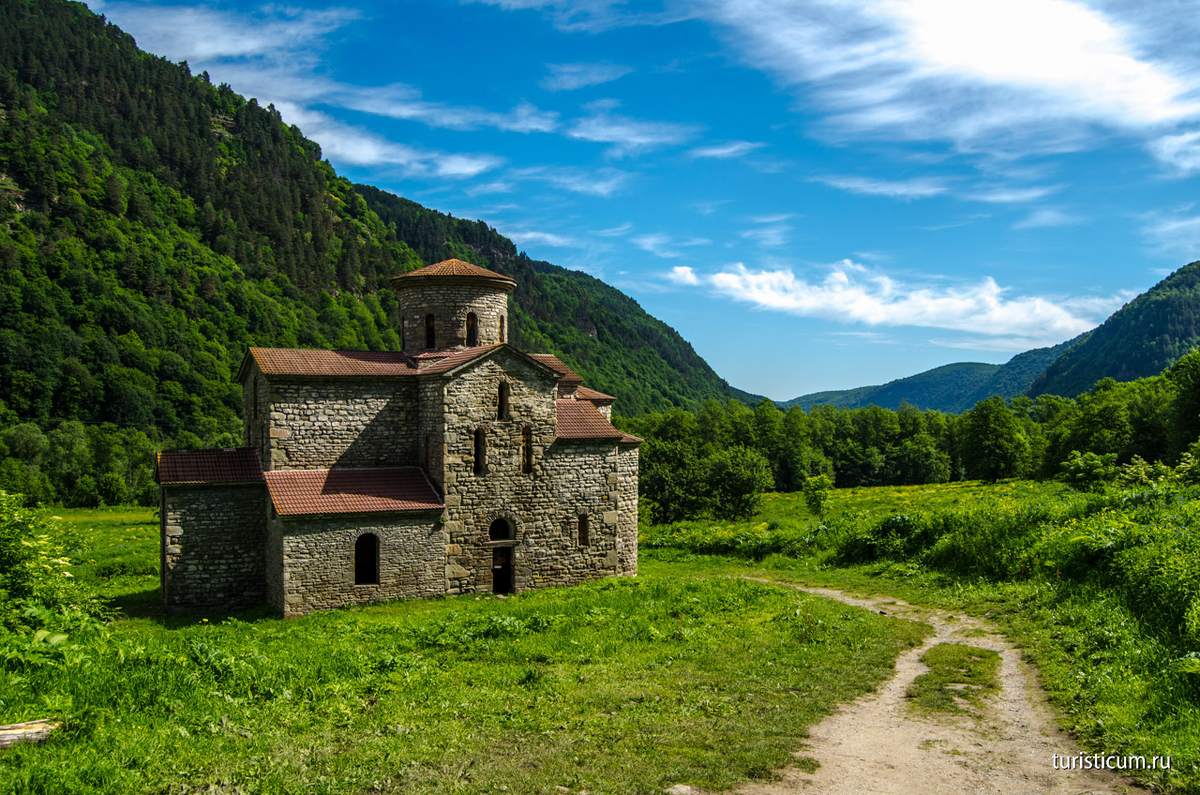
<point>818,194</point>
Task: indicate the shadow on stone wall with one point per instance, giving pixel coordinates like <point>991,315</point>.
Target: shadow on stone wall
<point>388,440</point>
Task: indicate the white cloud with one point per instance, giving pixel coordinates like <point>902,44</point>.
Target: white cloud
<point>727,150</point>
<point>682,274</point>
<point>350,144</point>
<point>1175,234</point>
<point>918,188</point>
<point>628,136</point>
<point>591,16</point>
<point>1012,195</point>
<point>615,231</point>
<point>710,207</point>
<point>543,238</point>
<point>769,235</point>
<point>1046,217</point>
<point>999,75</point>
<point>498,186</point>
<point>663,245</point>
<point>853,293</point>
<point>1181,152</point>
<point>571,76</point>
<point>602,183</point>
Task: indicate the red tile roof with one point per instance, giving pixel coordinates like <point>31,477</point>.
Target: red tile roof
<point>629,438</point>
<point>569,376</point>
<point>331,491</point>
<point>234,465</point>
<point>579,419</point>
<point>354,364</point>
<point>458,358</point>
<point>584,393</point>
<point>453,267</point>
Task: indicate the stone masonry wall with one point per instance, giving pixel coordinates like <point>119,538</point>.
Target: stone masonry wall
<point>474,501</point>
<point>213,541</point>
<point>627,507</point>
<point>255,396</point>
<point>344,423</point>
<point>431,436</point>
<point>449,305</point>
<point>318,555</point>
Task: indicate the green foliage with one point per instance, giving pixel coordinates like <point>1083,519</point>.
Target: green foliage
<point>1089,471</point>
<point>1144,337</point>
<point>816,494</point>
<point>737,477</point>
<point>994,445</point>
<point>956,673</point>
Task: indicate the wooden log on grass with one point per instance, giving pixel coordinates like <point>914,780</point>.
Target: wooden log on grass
<point>32,732</point>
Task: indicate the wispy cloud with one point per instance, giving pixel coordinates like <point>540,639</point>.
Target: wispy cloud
<point>626,135</point>
<point>1011,194</point>
<point>572,76</point>
<point>853,293</point>
<point>1180,152</point>
<point>769,235</point>
<point>710,207</point>
<point>593,16</point>
<point>615,231</point>
<point>604,182</point>
<point>917,188</point>
<point>665,246</point>
<point>352,145</point>
<point>1000,76</point>
<point>1174,233</point>
<point>1046,217</point>
<point>498,186</point>
<point>526,237</point>
<point>726,151</point>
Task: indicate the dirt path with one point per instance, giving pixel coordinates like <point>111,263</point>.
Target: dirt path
<point>880,744</point>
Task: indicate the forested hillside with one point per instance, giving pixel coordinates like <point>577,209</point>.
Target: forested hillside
<point>1145,336</point>
<point>153,225</point>
<point>952,388</point>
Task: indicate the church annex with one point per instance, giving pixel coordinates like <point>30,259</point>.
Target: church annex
<point>458,465</point>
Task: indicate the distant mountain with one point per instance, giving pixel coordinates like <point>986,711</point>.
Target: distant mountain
<point>1143,338</point>
<point>952,388</point>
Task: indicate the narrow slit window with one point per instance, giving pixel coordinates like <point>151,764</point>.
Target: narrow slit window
<point>472,330</point>
<point>527,450</point>
<point>502,329</point>
<point>502,402</point>
<point>430,332</point>
<point>480,452</point>
<point>583,530</point>
<point>366,560</point>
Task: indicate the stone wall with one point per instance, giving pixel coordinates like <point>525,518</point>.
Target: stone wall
<point>431,429</point>
<point>449,304</point>
<point>213,542</point>
<point>342,423</point>
<point>256,394</point>
<point>318,560</point>
<point>474,501</point>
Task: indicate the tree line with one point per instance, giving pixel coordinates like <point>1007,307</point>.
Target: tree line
<point>687,457</point>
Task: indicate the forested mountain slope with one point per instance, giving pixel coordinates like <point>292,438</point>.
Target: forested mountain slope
<point>153,225</point>
<point>953,388</point>
<point>1145,336</point>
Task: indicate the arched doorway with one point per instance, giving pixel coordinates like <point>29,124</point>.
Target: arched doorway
<point>366,559</point>
<point>502,529</point>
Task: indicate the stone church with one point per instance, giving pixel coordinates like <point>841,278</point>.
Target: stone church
<point>458,465</point>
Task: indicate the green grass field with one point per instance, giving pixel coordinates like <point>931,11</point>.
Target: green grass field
<point>619,686</point>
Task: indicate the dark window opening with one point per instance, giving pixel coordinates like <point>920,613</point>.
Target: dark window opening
<point>583,530</point>
<point>527,450</point>
<point>480,452</point>
<point>430,332</point>
<point>502,570</point>
<point>501,530</point>
<point>502,402</point>
<point>366,560</point>
<point>502,329</point>
<point>472,330</point>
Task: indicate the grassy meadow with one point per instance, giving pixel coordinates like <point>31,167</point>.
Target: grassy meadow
<point>686,674</point>
<point>619,686</point>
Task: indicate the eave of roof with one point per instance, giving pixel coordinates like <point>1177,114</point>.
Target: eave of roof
<point>326,492</point>
<point>579,420</point>
<point>556,364</point>
<point>593,395</point>
<point>454,270</point>
<point>201,467</point>
<point>307,362</point>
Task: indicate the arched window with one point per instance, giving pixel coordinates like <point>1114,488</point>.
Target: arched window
<point>527,450</point>
<point>502,329</point>
<point>430,332</point>
<point>502,402</point>
<point>480,452</point>
<point>366,559</point>
<point>583,530</point>
<point>501,530</point>
<point>472,330</point>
